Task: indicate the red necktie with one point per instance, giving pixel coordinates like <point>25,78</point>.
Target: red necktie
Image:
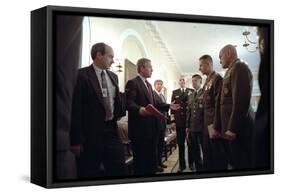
<point>149,89</point>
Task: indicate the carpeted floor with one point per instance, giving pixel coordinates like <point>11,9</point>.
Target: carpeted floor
<point>173,163</point>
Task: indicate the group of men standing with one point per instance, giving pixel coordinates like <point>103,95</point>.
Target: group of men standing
<point>215,118</point>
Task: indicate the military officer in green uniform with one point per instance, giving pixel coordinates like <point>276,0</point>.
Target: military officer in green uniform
<point>214,153</point>
<point>195,121</point>
<point>236,113</point>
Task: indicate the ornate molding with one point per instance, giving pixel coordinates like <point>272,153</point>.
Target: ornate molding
<point>154,32</point>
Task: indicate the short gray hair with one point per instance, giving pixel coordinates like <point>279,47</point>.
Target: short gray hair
<point>98,47</point>
<point>141,63</point>
<point>158,80</point>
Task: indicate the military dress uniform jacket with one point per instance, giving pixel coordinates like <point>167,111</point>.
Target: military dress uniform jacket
<point>195,112</point>
<point>236,112</point>
<point>211,96</point>
<point>180,98</point>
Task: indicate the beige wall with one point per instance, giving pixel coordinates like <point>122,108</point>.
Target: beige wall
<point>132,40</point>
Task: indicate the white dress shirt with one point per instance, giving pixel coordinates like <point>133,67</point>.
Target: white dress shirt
<point>161,96</point>
<point>143,80</point>
<point>111,87</point>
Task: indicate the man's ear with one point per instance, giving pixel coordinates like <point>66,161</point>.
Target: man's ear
<point>99,55</point>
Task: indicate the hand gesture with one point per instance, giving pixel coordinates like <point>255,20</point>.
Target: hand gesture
<point>174,106</point>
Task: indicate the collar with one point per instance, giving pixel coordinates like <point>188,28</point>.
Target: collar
<point>97,69</point>
<point>183,89</point>
<point>232,64</point>
<point>211,75</point>
<point>159,93</point>
<point>142,78</point>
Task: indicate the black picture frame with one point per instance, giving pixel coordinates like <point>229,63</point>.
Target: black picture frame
<point>43,91</point>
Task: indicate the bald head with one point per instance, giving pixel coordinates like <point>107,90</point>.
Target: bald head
<point>102,55</point>
<point>227,55</point>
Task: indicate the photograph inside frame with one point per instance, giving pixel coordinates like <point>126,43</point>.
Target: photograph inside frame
<point>145,98</point>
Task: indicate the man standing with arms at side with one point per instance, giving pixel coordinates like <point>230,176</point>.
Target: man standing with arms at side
<point>143,130</point>
<point>178,117</point>
<point>159,99</point>
<point>214,157</point>
<point>96,106</point>
<point>195,121</point>
<point>236,113</point>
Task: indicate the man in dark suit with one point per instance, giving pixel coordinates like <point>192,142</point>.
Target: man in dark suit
<point>214,157</point>
<point>236,113</point>
<point>96,106</point>
<point>262,117</point>
<point>178,117</point>
<point>195,121</point>
<point>159,99</point>
<point>143,129</point>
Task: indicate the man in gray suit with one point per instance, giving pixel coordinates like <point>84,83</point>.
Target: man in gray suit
<point>159,98</point>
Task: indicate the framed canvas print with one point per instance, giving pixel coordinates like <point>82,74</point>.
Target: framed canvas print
<point>125,96</point>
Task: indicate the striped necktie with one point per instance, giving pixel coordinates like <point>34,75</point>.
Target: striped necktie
<point>106,99</point>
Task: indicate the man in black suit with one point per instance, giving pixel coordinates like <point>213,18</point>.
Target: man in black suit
<point>262,152</point>
<point>143,129</point>
<point>159,99</point>
<point>178,117</point>
<point>96,106</point>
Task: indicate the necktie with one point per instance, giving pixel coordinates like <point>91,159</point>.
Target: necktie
<point>162,97</point>
<point>149,91</point>
<point>195,94</point>
<point>106,99</point>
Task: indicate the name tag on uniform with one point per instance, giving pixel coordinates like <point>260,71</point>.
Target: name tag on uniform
<point>104,92</point>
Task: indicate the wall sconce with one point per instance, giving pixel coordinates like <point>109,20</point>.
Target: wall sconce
<point>118,66</point>
<point>249,43</point>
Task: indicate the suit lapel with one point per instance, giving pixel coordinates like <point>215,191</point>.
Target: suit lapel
<point>144,88</point>
<point>160,97</point>
<point>114,81</point>
<point>157,98</point>
<point>95,83</point>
